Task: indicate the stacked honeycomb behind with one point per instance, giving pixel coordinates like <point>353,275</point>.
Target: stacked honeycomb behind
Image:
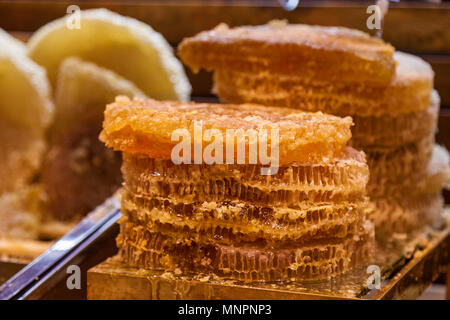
<point>398,145</point>
<point>395,117</point>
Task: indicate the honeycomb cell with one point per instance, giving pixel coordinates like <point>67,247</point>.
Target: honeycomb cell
<point>394,167</point>
<point>395,131</point>
<point>147,127</point>
<point>341,179</point>
<point>316,52</point>
<point>315,261</point>
<point>233,222</point>
<point>408,92</point>
<point>406,214</point>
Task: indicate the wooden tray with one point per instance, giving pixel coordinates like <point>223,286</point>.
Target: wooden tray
<point>405,278</point>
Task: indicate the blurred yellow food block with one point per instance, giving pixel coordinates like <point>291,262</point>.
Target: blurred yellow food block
<point>78,171</point>
<point>20,213</point>
<point>25,111</point>
<point>124,45</point>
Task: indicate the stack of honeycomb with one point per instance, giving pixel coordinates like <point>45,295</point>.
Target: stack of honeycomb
<point>304,221</point>
<point>346,73</point>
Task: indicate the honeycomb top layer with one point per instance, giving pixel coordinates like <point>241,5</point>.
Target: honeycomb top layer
<point>331,53</point>
<point>156,129</point>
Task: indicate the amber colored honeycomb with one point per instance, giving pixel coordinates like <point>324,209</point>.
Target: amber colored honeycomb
<point>236,221</point>
<point>320,260</point>
<point>342,179</point>
<point>396,131</point>
<point>409,91</point>
<point>394,167</point>
<point>331,53</point>
<point>146,127</point>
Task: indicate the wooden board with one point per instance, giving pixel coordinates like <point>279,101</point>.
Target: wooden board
<point>114,280</point>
